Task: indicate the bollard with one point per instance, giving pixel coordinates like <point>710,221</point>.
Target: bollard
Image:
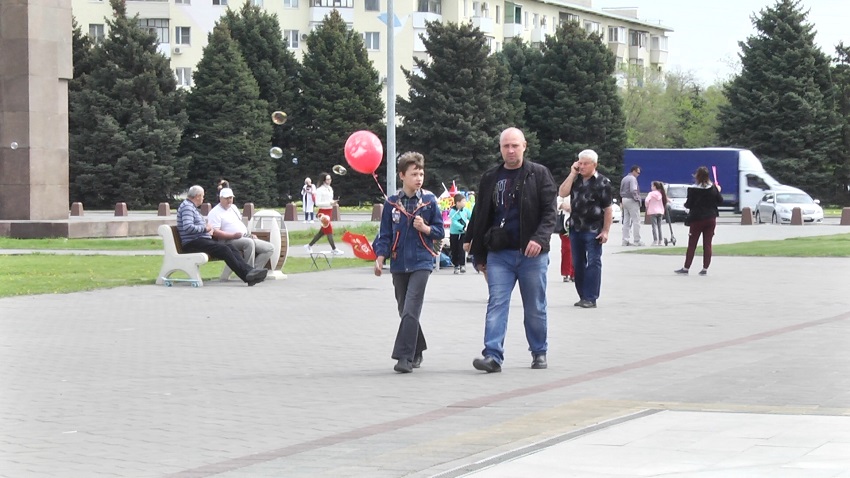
<point>845,217</point>
<point>291,212</point>
<point>164,209</point>
<point>377,212</point>
<point>205,209</point>
<point>335,213</point>
<point>247,211</point>
<point>77,209</point>
<point>121,209</point>
<point>796,217</point>
<point>746,217</point>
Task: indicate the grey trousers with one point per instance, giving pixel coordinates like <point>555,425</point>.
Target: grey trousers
<point>409,294</point>
<point>254,251</point>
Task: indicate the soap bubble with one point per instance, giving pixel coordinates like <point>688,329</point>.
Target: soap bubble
<point>294,160</point>
<point>14,145</point>
<point>340,170</point>
<point>276,153</point>
<point>278,117</point>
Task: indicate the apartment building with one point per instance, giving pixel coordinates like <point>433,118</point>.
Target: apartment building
<point>182,26</point>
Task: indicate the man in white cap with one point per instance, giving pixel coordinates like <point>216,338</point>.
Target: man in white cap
<point>227,227</point>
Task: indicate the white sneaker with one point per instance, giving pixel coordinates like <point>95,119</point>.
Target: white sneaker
<point>337,252</point>
<point>308,248</point>
<point>312,221</point>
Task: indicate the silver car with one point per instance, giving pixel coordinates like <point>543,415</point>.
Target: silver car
<point>776,207</point>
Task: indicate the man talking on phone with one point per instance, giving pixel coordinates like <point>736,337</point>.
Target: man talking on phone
<point>590,220</point>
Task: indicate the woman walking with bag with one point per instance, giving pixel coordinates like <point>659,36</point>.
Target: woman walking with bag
<point>703,200</point>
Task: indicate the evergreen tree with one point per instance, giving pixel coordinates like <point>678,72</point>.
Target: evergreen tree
<point>341,95</point>
<point>572,102</point>
<point>459,102</point>
<point>229,131</point>
<point>781,105</point>
<point>841,75</point>
<point>273,65</point>
<point>125,120</point>
<point>81,46</point>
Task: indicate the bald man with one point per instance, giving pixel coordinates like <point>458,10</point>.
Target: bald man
<point>509,235</point>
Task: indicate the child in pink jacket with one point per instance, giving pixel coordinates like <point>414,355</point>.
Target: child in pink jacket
<point>656,202</point>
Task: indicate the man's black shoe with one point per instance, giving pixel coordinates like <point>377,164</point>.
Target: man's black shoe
<point>578,304</point>
<point>586,304</point>
<point>256,276</point>
<point>487,364</point>
<point>403,366</point>
<point>539,362</point>
<point>417,361</point>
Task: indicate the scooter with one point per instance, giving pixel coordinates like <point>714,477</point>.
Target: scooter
<point>672,240</point>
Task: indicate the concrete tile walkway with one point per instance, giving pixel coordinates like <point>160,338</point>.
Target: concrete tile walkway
<point>293,378</point>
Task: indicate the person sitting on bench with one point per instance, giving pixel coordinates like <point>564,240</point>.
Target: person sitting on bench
<point>228,228</point>
<point>195,236</point>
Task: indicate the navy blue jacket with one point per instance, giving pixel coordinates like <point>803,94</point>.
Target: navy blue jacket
<point>408,249</point>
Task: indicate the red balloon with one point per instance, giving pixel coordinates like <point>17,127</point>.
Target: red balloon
<point>364,151</point>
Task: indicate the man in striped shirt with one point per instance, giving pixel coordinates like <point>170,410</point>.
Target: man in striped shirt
<point>195,236</point>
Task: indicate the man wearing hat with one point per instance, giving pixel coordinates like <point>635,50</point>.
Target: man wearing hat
<point>227,227</point>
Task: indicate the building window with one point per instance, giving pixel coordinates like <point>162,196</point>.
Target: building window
<point>184,76</point>
<point>617,34</point>
<point>373,5</point>
<point>498,15</point>
<point>291,38</point>
<point>638,38</point>
<point>182,36</point>
<point>498,47</point>
<point>513,13</point>
<point>219,2</point>
<point>333,3</point>
<point>290,3</point>
<point>659,43</point>
<point>592,27</point>
<point>372,40</point>
<point>157,26</point>
<point>257,3</point>
<point>183,2</point>
<point>526,20</point>
<point>430,6</point>
<point>96,32</point>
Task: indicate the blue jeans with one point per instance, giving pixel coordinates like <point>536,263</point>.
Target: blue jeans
<point>504,269</point>
<point>587,261</point>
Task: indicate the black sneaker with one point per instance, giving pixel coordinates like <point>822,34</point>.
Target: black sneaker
<point>417,361</point>
<point>487,364</point>
<point>256,276</point>
<point>587,304</point>
<point>703,272</point>
<point>681,271</point>
<point>403,366</point>
<point>539,362</point>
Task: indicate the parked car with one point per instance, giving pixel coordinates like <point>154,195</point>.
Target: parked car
<point>677,194</point>
<point>776,206</point>
<point>617,212</point>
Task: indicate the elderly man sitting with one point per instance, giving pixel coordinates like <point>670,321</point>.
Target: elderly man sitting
<point>195,237</point>
<point>227,227</point>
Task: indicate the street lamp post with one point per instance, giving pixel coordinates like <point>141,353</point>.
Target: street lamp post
<point>391,154</point>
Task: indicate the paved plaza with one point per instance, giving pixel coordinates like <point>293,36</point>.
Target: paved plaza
<point>745,372</point>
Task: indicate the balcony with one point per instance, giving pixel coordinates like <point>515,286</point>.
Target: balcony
<point>319,9</point>
<point>511,30</point>
<point>637,51</point>
<point>617,48</point>
<point>420,18</point>
<point>658,56</point>
<point>538,35</point>
<point>484,24</point>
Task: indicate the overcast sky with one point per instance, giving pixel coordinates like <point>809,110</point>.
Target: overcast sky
<point>707,32</point>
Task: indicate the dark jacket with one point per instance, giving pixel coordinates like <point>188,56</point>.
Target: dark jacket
<point>408,249</point>
<point>702,202</point>
<point>537,209</point>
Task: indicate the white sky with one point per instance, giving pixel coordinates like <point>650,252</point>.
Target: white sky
<point>706,32</point>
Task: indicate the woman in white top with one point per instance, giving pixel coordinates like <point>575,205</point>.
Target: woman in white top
<point>325,202</point>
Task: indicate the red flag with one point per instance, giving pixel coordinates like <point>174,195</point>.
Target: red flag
<point>361,246</point>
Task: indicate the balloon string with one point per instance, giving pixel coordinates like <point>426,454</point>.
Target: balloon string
<point>375,177</point>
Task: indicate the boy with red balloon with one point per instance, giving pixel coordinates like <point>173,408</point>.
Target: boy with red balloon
<point>410,224</point>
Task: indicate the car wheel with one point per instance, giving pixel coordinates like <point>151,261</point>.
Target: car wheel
<point>758,218</point>
<point>774,219</point>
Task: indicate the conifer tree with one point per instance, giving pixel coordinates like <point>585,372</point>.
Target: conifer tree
<point>125,120</point>
<point>572,102</point>
<point>341,95</point>
<point>229,131</point>
<point>275,67</point>
<point>841,76</point>
<point>781,105</point>
<point>459,102</point>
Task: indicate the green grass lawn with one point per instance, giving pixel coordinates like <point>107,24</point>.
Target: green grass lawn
<point>837,245</point>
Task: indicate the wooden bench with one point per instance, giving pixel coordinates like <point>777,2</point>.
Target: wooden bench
<point>176,260</point>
